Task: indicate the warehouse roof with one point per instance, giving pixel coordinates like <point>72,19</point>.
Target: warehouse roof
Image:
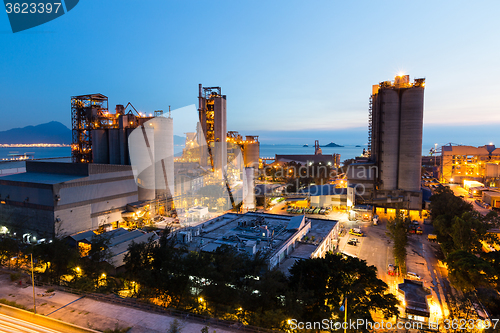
<point>40,178</point>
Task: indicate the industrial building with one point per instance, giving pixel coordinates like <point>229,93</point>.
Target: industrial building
<point>391,177</point>
<point>100,136</point>
<point>213,121</point>
<point>329,196</point>
<point>416,301</point>
<point>281,239</point>
<point>491,198</point>
<point>55,199</point>
<point>119,241</point>
<point>459,163</point>
<point>125,138</point>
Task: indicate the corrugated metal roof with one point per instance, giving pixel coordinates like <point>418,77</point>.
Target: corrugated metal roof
<point>41,178</point>
<point>295,223</point>
<point>86,235</point>
<point>119,251</point>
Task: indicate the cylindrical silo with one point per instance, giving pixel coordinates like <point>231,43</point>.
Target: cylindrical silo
<point>251,152</point>
<point>100,152</point>
<point>248,189</point>
<point>387,106</point>
<point>163,154</point>
<point>410,146</point>
<point>141,149</point>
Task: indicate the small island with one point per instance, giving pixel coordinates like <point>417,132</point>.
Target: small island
<point>358,146</point>
<point>306,145</point>
<point>331,144</point>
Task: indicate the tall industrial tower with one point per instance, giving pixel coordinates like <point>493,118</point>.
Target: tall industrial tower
<point>212,115</point>
<point>395,142</point>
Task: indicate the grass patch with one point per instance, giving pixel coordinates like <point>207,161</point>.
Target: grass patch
<point>117,329</point>
<point>43,304</point>
<point>13,304</point>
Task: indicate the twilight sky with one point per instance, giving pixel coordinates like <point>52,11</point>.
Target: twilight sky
<point>292,71</point>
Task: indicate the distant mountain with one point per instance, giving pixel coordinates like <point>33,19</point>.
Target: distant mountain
<point>53,132</point>
<point>179,140</point>
<point>331,144</point>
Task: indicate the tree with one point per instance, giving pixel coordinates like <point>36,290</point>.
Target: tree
<point>49,255</point>
<point>321,284</point>
<point>9,247</point>
<point>467,271</point>
<point>467,231</point>
<point>94,264</point>
<point>398,231</point>
<point>445,203</point>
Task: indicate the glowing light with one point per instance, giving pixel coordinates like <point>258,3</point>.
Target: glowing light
<point>200,299</point>
<point>78,269</point>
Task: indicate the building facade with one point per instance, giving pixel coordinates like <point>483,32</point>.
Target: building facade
<point>459,163</point>
<point>56,199</point>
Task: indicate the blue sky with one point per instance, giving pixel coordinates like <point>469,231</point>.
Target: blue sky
<point>290,69</point>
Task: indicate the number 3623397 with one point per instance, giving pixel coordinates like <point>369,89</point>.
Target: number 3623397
<point>32,8</point>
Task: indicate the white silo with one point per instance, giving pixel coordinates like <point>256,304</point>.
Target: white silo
<point>248,189</point>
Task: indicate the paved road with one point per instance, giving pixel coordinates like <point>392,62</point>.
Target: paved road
<point>376,248</point>
<point>9,324</point>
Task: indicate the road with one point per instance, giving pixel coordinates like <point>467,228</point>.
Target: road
<point>10,324</point>
<point>460,191</point>
<point>376,248</point>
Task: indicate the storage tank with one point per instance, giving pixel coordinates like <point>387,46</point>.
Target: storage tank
<point>141,147</point>
<point>387,107</point>
<point>163,154</point>
<point>251,152</point>
<point>100,152</point>
<point>248,189</point>
<point>410,147</point>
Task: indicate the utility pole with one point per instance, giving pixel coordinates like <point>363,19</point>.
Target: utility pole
<point>33,283</point>
<point>345,315</point>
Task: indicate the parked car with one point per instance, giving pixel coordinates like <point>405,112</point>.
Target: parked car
<point>356,232</point>
<point>413,276</point>
<point>352,242</point>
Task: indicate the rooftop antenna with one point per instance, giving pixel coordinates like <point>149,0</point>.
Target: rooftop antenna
<point>169,114</point>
